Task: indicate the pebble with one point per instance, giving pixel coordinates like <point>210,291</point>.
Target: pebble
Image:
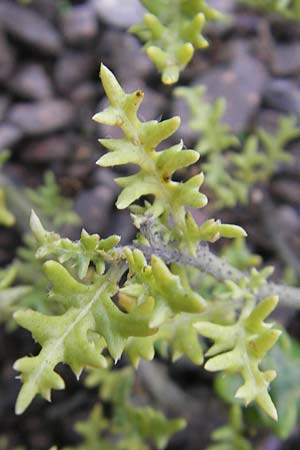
<point>72,68</point>
<point>47,149</point>
<point>29,27</point>
<point>94,207</point>
<point>286,59</point>
<point>31,82</point>
<point>79,24</point>
<point>86,92</point>
<point>42,117</point>
<point>10,135</point>
<point>237,84</point>
<point>126,48</point>
<point>283,95</point>
<point>223,6</point>
<point>287,190</point>
<point>120,14</point>
<point>288,219</point>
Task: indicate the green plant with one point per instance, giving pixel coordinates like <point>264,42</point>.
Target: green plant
<point>133,425</point>
<point>172,31</point>
<point>231,167</point>
<point>289,9</point>
<point>6,217</point>
<point>50,203</point>
<point>158,301</point>
<point>23,282</point>
<point>230,437</point>
<point>166,292</point>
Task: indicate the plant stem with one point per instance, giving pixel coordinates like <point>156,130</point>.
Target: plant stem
<point>221,270</point>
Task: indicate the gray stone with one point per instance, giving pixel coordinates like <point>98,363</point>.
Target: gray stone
<point>288,219</point>
<point>287,190</point>
<point>127,50</point>
<point>10,135</point>
<point>85,92</point>
<point>286,59</point>
<point>42,117</point>
<point>29,27</point>
<point>119,13</point>
<point>94,207</point>
<point>31,82</point>
<point>242,84</point>
<point>72,68</point>
<point>79,24</point>
<point>47,149</point>
<point>268,119</point>
<point>283,95</point>
<point>224,6</point>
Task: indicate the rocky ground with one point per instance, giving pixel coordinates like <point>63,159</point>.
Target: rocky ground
<point>50,52</point>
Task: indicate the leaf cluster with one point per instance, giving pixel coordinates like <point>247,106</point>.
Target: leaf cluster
<point>288,9</point>
<point>232,168</point>
<point>172,30</point>
<point>51,204</point>
<point>112,300</point>
<point>131,426</point>
<point>6,217</point>
<point>230,436</point>
<point>155,176</point>
<point>284,390</point>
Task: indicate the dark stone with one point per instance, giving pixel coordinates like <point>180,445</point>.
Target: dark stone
<point>4,103</point>
<point>287,190</point>
<point>284,96</point>
<point>94,207</point>
<point>126,50</point>
<point>79,24</point>
<point>47,8</point>
<point>32,82</point>
<point>7,58</point>
<point>288,218</point>
<point>86,92</point>
<point>268,119</point>
<point>9,135</point>
<point>105,176</point>
<point>120,14</point>
<point>121,224</point>
<point>286,59</point>
<point>73,68</point>
<point>42,117</point>
<point>48,149</point>
<point>29,27</point>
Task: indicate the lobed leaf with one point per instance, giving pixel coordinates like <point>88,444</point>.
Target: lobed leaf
<point>239,348</point>
<point>74,337</point>
<point>172,31</point>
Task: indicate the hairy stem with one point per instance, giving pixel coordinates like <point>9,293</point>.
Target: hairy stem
<point>221,270</point>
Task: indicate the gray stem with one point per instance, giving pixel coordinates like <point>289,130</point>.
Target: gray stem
<point>220,269</point>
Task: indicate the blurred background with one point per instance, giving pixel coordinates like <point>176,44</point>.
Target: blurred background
<point>50,54</point>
